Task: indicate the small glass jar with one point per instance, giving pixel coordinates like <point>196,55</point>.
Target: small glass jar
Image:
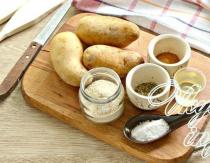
<point>190,82</point>
<point>102,110</point>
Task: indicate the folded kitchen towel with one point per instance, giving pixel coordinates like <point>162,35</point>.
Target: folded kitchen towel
<point>190,19</point>
<point>203,3</point>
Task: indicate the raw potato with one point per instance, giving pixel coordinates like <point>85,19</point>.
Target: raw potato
<point>115,58</point>
<point>107,30</point>
<point>66,56</point>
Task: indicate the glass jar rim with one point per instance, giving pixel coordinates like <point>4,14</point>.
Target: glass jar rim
<point>100,70</point>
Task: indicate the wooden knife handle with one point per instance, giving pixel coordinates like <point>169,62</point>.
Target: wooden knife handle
<point>16,73</point>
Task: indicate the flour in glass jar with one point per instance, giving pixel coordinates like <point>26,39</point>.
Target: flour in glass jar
<point>102,90</point>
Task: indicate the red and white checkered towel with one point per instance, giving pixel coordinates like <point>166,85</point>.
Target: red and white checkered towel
<point>190,20</point>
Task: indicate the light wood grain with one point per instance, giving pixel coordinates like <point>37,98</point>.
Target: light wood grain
<point>43,89</point>
<point>29,136</point>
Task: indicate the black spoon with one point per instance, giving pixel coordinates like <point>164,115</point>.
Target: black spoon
<point>174,122</point>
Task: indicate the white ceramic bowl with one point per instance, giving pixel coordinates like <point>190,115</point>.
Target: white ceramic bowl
<point>173,44</point>
<point>147,72</point>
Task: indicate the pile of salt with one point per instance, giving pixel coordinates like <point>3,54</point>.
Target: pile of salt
<point>150,130</point>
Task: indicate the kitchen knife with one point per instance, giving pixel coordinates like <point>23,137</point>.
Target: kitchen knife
<point>16,73</point>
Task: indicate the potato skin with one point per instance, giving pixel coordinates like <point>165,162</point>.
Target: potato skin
<point>66,56</point>
<point>121,61</point>
<point>107,30</point>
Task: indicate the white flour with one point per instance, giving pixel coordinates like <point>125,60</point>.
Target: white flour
<point>150,130</point>
<point>103,89</point>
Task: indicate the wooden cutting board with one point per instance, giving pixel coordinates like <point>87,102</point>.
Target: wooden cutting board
<point>43,89</point>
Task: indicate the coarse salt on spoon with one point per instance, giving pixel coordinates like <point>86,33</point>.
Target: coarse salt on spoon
<point>148,128</point>
<point>29,14</point>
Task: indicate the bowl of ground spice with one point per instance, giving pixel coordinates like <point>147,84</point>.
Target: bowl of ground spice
<point>148,86</point>
<point>170,52</point>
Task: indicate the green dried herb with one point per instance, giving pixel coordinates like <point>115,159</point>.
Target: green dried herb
<point>145,88</point>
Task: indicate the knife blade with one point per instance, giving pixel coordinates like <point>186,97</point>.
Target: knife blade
<point>16,73</point>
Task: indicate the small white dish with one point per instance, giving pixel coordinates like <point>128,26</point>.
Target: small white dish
<point>143,73</point>
<point>173,44</point>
